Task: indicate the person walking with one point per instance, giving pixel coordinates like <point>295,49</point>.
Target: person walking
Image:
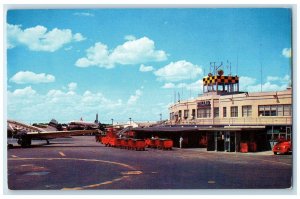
<point>180,142</point>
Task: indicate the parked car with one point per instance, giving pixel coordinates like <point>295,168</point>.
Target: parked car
<point>282,147</point>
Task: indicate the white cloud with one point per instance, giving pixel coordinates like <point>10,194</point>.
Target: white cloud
<point>144,68</point>
<point>27,104</point>
<point>27,77</point>
<point>168,85</point>
<point>84,14</point>
<point>133,98</point>
<point>272,78</point>
<point>78,37</point>
<point>137,51</point>
<point>131,52</point>
<point>266,87</point>
<point>283,80</point>
<point>244,82</point>
<point>272,83</point>
<point>287,52</point>
<point>195,86</point>
<point>38,38</point>
<point>65,105</point>
<point>97,55</point>
<point>130,37</point>
<point>72,86</point>
<point>178,71</point>
<point>27,91</point>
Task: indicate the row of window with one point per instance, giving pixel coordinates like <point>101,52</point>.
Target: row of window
<point>263,110</point>
<point>275,110</point>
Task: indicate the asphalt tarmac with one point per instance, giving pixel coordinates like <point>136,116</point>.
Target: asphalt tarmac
<point>80,163</point>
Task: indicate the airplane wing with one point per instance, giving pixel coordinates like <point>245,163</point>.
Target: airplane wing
<point>58,134</point>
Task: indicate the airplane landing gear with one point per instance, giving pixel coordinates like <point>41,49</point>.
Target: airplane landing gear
<point>24,141</point>
<point>47,142</point>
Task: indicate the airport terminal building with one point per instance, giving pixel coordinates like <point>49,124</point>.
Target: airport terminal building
<point>226,118</point>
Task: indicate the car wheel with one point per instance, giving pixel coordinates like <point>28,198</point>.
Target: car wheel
<point>275,153</point>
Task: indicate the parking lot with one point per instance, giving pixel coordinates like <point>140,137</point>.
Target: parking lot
<point>80,163</point>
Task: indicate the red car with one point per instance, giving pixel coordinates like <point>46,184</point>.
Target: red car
<point>282,147</point>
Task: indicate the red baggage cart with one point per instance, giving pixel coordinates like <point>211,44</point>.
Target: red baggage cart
<point>118,142</point>
<point>147,142</point>
<point>140,145</point>
<point>152,143</point>
<point>105,140</point>
<point>244,147</point>
<point>112,141</point>
<point>124,143</point>
<point>156,143</point>
<point>166,144</point>
<point>131,144</point>
<point>159,143</point>
<point>252,147</point>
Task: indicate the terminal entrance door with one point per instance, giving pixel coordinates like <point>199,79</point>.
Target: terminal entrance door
<point>211,141</point>
<point>220,141</point>
<point>288,135</point>
<point>230,138</point>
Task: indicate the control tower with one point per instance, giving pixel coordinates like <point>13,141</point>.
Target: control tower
<point>220,84</point>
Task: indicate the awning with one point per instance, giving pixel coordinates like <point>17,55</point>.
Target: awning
<point>197,129</point>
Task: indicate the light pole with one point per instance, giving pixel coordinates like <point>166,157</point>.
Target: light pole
<point>160,117</point>
<point>130,121</point>
<point>112,122</point>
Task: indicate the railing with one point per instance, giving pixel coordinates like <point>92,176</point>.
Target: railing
<point>124,130</point>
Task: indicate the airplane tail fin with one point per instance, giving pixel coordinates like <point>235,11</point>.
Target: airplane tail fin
<point>96,121</point>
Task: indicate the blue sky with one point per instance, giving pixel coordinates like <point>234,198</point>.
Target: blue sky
<point>122,63</point>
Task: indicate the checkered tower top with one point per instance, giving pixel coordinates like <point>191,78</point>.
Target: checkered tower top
<point>220,80</point>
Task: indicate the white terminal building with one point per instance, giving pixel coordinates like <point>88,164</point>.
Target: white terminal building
<point>230,117</point>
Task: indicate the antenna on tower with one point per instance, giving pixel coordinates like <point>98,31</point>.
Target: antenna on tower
<point>215,68</point>
<point>229,66</point>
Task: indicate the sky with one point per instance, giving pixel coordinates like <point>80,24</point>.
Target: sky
<point>69,64</point>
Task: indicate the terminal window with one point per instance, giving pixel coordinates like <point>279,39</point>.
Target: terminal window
<point>234,111</point>
<point>246,111</point>
<point>275,110</point>
<point>224,112</point>
<point>186,113</point>
<point>203,112</point>
<point>216,112</point>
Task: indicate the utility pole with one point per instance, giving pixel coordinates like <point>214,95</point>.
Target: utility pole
<point>260,67</point>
